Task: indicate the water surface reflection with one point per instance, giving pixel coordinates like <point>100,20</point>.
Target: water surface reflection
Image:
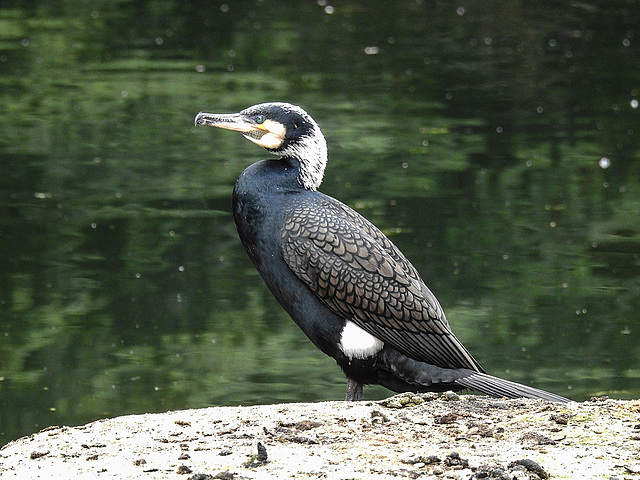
<point>474,137</point>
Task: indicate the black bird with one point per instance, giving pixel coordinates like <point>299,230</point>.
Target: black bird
<point>349,289</point>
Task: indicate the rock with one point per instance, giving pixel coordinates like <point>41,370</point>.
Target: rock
<point>489,438</point>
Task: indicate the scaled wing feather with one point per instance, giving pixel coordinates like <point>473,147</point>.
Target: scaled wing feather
<point>359,274</point>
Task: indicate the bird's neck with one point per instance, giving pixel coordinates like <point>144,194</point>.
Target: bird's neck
<point>311,154</point>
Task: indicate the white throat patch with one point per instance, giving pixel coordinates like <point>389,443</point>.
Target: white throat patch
<point>356,343</point>
<point>312,153</point>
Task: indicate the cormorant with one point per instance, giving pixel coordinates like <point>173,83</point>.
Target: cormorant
<point>345,284</point>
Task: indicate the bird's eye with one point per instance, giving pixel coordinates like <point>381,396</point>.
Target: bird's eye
<point>260,119</point>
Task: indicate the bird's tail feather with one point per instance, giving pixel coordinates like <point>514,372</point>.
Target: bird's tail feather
<point>499,387</point>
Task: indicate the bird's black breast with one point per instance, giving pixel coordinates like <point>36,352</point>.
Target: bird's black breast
<point>259,200</point>
<point>263,197</point>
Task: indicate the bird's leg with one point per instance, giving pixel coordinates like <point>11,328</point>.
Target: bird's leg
<point>354,390</point>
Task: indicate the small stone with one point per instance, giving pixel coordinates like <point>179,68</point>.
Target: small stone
<point>491,472</point>
<point>378,417</point>
<point>200,476</point>
<point>531,466</point>
<point>404,400</point>
<point>445,419</point>
<point>537,439</point>
<point>35,455</point>
<point>262,453</point>
<point>450,396</point>
<point>224,476</point>
<point>419,459</point>
<point>561,419</point>
<point>259,459</point>
<point>454,460</point>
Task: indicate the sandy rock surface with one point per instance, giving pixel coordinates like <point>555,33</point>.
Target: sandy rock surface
<point>406,436</point>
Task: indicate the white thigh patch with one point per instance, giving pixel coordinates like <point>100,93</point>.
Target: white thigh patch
<point>356,343</point>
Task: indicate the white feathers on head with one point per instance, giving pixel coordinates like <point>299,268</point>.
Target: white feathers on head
<point>310,150</point>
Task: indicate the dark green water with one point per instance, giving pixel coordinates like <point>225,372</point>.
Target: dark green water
<point>497,143</point>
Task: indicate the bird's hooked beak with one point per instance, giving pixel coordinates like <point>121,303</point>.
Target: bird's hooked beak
<point>269,134</point>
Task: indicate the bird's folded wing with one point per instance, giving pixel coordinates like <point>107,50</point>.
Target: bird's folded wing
<point>359,274</point>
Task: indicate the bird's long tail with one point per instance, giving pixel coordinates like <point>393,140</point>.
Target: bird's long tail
<point>499,387</point>
<point>423,377</point>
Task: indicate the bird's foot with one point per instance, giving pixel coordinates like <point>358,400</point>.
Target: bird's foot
<point>354,391</point>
